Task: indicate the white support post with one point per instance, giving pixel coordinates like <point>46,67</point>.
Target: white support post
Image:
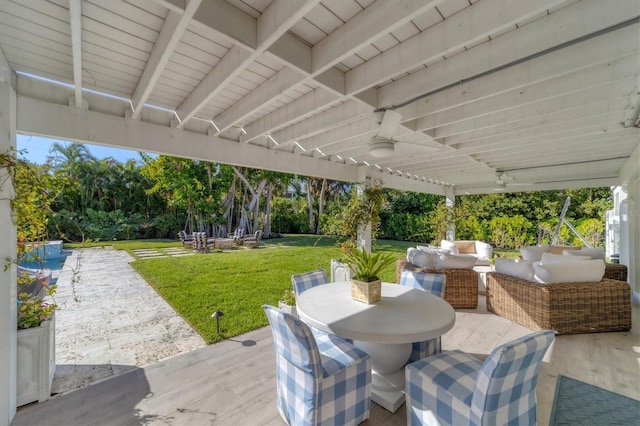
<point>8,306</point>
<point>364,232</point>
<point>450,203</point>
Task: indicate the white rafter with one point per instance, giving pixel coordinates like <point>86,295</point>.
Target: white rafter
<point>174,27</point>
<point>75,21</point>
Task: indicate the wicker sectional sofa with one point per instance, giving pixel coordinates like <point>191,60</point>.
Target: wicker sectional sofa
<point>461,288</point>
<point>567,308</point>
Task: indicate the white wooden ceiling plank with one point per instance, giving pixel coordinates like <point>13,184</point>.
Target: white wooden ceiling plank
<point>174,86</point>
<point>245,7</point>
<point>183,78</point>
<point>322,18</point>
<point>352,61</point>
<point>630,171</point>
<point>100,34</point>
<point>51,16</point>
<point>353,114</point>
<point>266,65</point>
<point>535,37</point>
<point>406,31</point>
<point>187,65</point>
<point>343,9</point>
<point>581,126</point>
<point>368,52</point>
<point>427,19</point>
<point>116,59</point>
<point>51,72</point>
<point>261,95</point>
<point>373,22</point>
<point>307,32</point>
<point>130,12</point>
<point>170,34</point>
<point>112,68</point>
<point>11,37</point>
<point>150,7</point>
<point>385,42</point>
<point>620,69</point>
<point>37,59</point>
<point>549,111</point>
<point>212,85</point>
<point>206,45</point>
<point>586,137</point>
<point>236,91</point>
<point>451,7</point>
<point>445,39</point>
<point>195,58</point>
<point>119,23</point>
<point>164,100</point>
<point>301,107</point>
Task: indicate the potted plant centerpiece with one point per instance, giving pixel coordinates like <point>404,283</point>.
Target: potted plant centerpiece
<point>366,285</point>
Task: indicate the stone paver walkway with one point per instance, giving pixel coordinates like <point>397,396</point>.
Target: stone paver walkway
<point>111,321</point>
<point>164,252</point>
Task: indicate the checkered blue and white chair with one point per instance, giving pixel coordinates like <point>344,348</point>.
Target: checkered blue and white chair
<point>320,380</point>
<point>303,282</point>
<point>434,284</point>
<point>453,387</point>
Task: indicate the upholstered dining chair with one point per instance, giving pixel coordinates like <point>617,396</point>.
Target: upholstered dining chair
<point>319,380</point>
<point>434,284</point>
<point>453,387</point>
<point>303,282</point>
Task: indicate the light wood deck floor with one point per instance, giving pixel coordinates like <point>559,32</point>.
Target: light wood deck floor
<point>233,382</point>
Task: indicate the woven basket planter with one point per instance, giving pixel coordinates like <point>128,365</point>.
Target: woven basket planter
<point>366,292</point>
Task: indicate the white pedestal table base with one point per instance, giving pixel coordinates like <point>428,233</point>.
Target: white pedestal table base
<point>387,362</point>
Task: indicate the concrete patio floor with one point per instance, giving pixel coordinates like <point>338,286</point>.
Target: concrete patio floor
<point>110,321</point>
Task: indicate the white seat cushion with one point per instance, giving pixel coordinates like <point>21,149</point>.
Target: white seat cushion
<point>569,272</point>
<point>516,268</point>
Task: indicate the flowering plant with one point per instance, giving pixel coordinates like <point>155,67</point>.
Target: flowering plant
<point>32,311</point>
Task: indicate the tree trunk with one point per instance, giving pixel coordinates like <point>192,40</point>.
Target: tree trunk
<point>267,213</point>
<point>310,208</point>
<point>321,203</point>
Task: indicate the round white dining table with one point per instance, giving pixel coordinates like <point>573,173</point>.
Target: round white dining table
<point>384,329</point>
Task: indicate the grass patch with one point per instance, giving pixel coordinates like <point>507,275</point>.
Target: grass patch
<point>239,282</point>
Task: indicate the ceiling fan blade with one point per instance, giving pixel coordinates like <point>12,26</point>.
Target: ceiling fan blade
<point>390,122</point>
<point>404,147</point>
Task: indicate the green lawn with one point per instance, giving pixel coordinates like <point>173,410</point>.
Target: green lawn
<point>238,282</point>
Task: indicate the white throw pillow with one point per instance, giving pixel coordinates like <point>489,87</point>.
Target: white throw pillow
<point>533,253</point>
<point>592,252</point>
<point>421,258</point>
<point>570,272</point>
<point>516,268</point>
<point>449,245</point>
<point>484,250</point>
<point>450,261</point>
<point>548,258</point>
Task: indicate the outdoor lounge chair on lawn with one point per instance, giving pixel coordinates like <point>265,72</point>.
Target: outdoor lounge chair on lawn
<point>253,240</point>
<point>237,236</point>
<point>186,240</point>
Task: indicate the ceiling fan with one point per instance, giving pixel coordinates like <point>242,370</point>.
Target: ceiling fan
<point>382,143</point>
<point>501,182</point>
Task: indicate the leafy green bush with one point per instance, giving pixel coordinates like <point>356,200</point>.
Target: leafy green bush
<point>592,230</point>
<point>289,215</point>
<point>511,232</point>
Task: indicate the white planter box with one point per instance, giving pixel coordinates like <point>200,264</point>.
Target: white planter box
<point>36,363</point>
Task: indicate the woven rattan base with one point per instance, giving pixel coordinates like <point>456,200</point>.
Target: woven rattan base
<point>615,271</point>
<point>461,287</point>
<point>567,308</point>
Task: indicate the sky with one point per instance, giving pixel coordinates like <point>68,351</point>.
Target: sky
<point>37,149</point>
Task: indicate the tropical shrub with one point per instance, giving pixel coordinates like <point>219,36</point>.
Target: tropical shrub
<point>511,232</point>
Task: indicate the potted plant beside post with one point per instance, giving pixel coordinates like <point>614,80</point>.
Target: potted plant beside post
<point>36,348</point>
<point>366,285</point>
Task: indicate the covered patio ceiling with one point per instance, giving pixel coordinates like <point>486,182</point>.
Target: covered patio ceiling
<point>475,96</point>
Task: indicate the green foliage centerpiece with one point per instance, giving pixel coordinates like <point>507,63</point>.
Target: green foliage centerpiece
<point>366,285</point>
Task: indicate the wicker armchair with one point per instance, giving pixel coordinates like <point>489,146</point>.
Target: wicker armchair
<point>615,271</point>
<point>567,308</point>
<point>461,290</point>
